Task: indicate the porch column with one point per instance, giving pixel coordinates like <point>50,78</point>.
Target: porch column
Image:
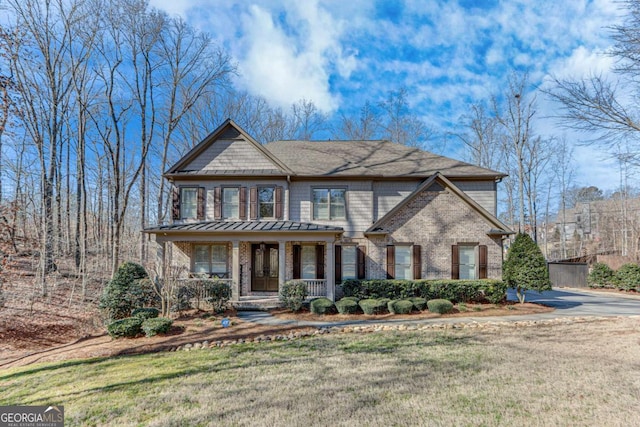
<point>235,271</point>
<point>330,275</point>
<point>282,257</point>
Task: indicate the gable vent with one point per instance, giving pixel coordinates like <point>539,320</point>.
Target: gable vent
<point>229,133</point>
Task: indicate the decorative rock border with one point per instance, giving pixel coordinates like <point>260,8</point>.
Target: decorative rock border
<point>378,327</point>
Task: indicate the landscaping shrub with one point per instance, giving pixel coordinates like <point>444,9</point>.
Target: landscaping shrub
<point>347,306</point>
<point>382,305</point>
<point>369,306</point>
<point>494,291</point>
<point>157,325</point>
<point>182,298</point>
<point>127,327</point>
<point>440,306</point>
<point>217,294</point>
<point>124,292</point>
<point>321,306</point>
<point>627,277</point>
<point>419,303</point>
<point>293,293</point>
<point>403,306</point>
<point>601,276</point>
<point>354,299</point>
<point>525,267</point>
<point>145,313</point>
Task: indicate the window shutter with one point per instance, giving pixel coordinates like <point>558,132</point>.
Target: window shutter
<point>455,262</point>
<point>391,262</point>
<point>338,268</point>
<point>362,261</point>
<point>176,203</point>
<point>297,261</point>
<point>243,203</point>
<point>320,262</point>
<point>201,194</point>
<point>279,204</point>
<point>253,203</point>
<point>217,203</point>
<point>482,261</point>
<point>417,262</point>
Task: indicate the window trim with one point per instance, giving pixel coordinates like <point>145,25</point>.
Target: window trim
<point>182,202</point>
<point>222,201</point>
<point>329,189</point>
<point>259,203</point>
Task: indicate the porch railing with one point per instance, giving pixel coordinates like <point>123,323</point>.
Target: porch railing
<point>199,292</point>
<point>316,287</point>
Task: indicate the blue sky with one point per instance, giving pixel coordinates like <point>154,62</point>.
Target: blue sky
<point>448,54</point>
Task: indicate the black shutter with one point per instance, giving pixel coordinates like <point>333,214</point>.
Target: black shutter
<point>253,203</point>
<point>217,203</point>
<point>417,262</point>
<point>362,261</point>
<point>338,264</point>
<point>242,209</point>
<point>391,262</point>
<point>176,203</point>
<point>319,262</point>
<point>201,195</point>
<point>279,204</point>
<point>455,262</point>
<point>297,261</point>
<point>482,261</point>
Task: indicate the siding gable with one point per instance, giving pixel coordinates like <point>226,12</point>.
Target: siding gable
<point>230,154</point>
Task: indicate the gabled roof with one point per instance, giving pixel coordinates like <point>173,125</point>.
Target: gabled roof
<point>370,159</point>
<point>228,129</point>
<point>243,226</point>
<point>497,227</point>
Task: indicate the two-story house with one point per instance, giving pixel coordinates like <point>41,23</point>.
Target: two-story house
<point>327,211</point>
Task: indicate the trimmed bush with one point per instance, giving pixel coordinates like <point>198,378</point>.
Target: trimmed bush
<point>217,294</point>
<point>628,277</point>
<point>347,306</point>
<point>354,299</point>
<point>601,276</point>
<point>369,306</point>
<point>145,313</point>
<point>321,306</point>
<point>157,325</point>
<point>124,292</point>
<point>525,267</point>
<point>382,305</point>
<point>403,306</point>
<point>419,303</point>
<point>293,293</point>
<point>440,306</point>
<point>127,327</point>
<point>494,291</point>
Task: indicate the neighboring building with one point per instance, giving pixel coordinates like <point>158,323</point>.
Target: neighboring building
<point>327,211</point>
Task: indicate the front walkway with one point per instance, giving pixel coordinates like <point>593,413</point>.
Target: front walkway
<point>567,302</point>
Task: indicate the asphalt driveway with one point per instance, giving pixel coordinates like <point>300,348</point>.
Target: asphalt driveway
<point>574,302</point>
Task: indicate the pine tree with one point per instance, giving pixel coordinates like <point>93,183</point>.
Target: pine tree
<point>525,267</point>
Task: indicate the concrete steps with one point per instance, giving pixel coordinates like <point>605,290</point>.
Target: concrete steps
<point>256,303</point>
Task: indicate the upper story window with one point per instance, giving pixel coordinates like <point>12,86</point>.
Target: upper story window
<point>231,203</point>
<point>266,202</point>
<point>329,203</point>
<point>188,202</point>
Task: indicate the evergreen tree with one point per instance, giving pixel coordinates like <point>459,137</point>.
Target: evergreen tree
<point>525,267</point>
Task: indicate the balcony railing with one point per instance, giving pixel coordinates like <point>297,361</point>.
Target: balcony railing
<point>316,287</point>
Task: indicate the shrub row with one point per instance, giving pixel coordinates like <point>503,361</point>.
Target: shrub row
<point>493,291</point>
<point>133,326</point>
<point>627,277</point>
<point>350,305</point>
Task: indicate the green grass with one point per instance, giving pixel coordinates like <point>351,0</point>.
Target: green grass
<point>582,374</point>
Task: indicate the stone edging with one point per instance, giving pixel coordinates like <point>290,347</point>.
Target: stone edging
<point>363,329</point>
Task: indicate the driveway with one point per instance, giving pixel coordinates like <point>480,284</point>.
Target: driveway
<point>574,302</point>
<point>567,303</point>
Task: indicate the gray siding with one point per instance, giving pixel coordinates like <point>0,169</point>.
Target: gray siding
<point>359,204</point>
<point>234,154</point>
<point>482,192</point>
<point>387,194</point>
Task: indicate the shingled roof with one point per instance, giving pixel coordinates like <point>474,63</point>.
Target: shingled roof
<point>369,158</point>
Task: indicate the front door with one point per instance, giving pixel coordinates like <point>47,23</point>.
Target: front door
<point>264,272</point>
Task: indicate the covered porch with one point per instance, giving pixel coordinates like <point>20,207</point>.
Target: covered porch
<point>254,257</point>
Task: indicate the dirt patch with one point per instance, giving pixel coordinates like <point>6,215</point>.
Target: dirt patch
<point>470,310</point>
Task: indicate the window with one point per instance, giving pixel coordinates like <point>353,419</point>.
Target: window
<point>210,259</point>
<point>231,202</point>
<point>403,263</point>
<point>188,202</point>
<point>467,267</point>
<point>349,260</point>
<point>308,262</point>
<point>266,202</point>
<point>329,203</point>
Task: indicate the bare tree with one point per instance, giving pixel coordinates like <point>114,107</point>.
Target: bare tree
<point>307,119</point>
<point>399,124</point>
<point>484,138</point>
<point>365,126</point>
